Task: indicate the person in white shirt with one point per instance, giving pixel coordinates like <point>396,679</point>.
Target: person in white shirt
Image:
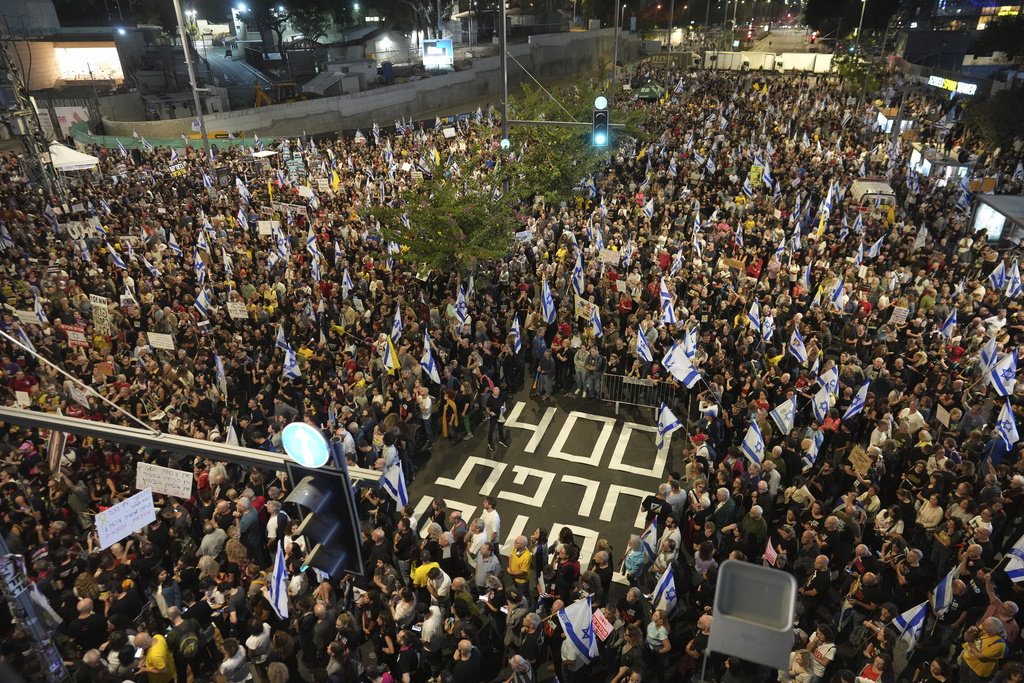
<point>491,520</point>
<point>912,417</point>
<point>475,539</point>
<point>880,433</point>
<point>995,323</point>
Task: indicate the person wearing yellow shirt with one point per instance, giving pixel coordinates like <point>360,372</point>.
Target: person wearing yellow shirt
<point>157,661</point>
<point>519,561</point>
<point>984,648</point>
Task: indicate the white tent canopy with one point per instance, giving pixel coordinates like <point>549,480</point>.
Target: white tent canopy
<point>67,159</point>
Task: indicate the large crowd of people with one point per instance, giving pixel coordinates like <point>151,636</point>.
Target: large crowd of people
<point>185,310</point>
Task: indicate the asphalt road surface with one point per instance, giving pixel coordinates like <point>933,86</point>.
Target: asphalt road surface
<point>570,462</point>
<point>783,40</point>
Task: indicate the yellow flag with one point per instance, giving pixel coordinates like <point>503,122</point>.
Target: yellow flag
<point>270,190</point>
<point>335,180</point>
<point>390,358</point>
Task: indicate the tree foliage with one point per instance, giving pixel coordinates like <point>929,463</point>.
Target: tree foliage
<point>456,221</point>
<point>997,120</point>
<point>552,162</point>
<point>312,19</point>
<point>855,71</point>
<point>1002,34</point>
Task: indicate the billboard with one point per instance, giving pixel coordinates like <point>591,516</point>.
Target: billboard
<point>438,54</point>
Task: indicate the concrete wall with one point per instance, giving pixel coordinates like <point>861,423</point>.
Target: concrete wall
<point>546,56</point>
<point>126,107</point>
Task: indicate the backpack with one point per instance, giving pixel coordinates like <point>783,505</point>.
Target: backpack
<point>188,546</point>
<point>188,646</point>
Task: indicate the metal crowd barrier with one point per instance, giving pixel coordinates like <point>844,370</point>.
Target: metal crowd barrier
<point>637,392</point>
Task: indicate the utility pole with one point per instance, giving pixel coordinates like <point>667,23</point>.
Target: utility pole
<point>503,46</point>
<point>615,50</point>
<point>668,57</point>
<point>863,6</point>
<point>192,82</point>
<point>16,588</point>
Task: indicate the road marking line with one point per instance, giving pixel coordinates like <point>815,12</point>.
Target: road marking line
<point>594,459</point>
<point>619,452</point>
<point>522,473</point>
<point>424,505</point>
<point>612,497</point>
<point>589,495</point>
<point>517,529</point>
<point>512,420</point>
<point>497,468</point>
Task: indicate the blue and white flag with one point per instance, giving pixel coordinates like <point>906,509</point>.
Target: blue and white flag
<point>946,329</point>
<point>280,342</point>
<point>909,625</point>
<point>690,343</point>
<point>173,244</point>
<point>279,584</point>
<point>577,623</point>
<point>988,357</point>
<point>393,481</point>
<point>754,316</point>
<point>578,280</point>
<point>396,326</point>
<point>150,267</point>
<point>819,404</point>
<point>649,541</point>
<point>857,405</point>
<point>1014,565</point>
<point>679,365</point>
<point>784,415</point>
<point>595,322</point>
<point>768,327</point>
<point>547,303</point>
<point>1006,426</point>
<point>518,343</point>
<point>649,208</point>
<point>943,594</point>
<point>668,313</point>
<point>461,307</point>
<point>748,188</point>
<point>123,151</point>
<point>199,265</point>
<point>643,349</point>
<point>1013,283</point>
<point>739,235</point>
<point>664,596</point>
<point>291,364</point>
<point>1004,374</point>
<point>796,346</point>
<point>115,258</point>
<point>203,302</point>
<point>807,459</point>
<point>222,380</point>
<point>346,284</point>
<point>997,278</point>
<point>830,380</point>
<point>667,423</point>
<point>23,338</point>
<point>753,443</point>
<point>1018,174</point>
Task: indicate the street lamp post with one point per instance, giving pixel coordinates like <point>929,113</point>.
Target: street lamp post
<point>863,5</point>
<point>192,82</point>
<point>668,57</point>
<point>615,49</point>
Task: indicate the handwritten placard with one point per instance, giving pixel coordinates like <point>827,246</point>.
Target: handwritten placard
<point>602,627</point>
<point>610,256</point>
<point>899,315</point>
<point>236,309</point>
<point>125,518</point>
<point>942,415</point>
<point>177,483</point>
<point>448,132</point>
<point>159,340</point>
<point>860,460</point>
<point>100,314</point>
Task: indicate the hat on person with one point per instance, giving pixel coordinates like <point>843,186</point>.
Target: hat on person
<point>699,437</point>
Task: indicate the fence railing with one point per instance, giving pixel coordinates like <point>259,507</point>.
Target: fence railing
<point>637,392</point>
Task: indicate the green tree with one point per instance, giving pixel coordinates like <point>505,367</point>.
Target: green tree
<point>856,73</point>
<point>456,222</point>
<point>268,18</point>
<point>552,161</point>
<point>312,19</point>
<point>1002,34</point>
<point>997,120</point>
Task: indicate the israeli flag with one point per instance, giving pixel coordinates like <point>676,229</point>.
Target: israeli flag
<point>427,363</point>
<point>649,208</point>
<point>784,415</point>
<point>664,596</point>
<point>946,330</point>
<point>857,405</point>
<point>203,303</point>
<point>690,343</point>
<point>768,327</point>
<point>1014,566</point>
<point>1013,283</point>
<point>547,303</point>
<point>37,308</point>
<point>199,266</point>
<point>202,242</point>
<point>667,423</point>
<point>150,267</point>
<point>796,346</point>
<point>280,342</point>
<point>754,316</point>
<point>124,152</point>
<point>243,189</point>
<point>115,258</point>
<point>291,364</point>
<point>943,593</point>
<point>393,481</point>
<point>679,365</point>
<point>909,625</point>
<point>1004,374</point>
<point>578,280</point>
<point>739,235</point>
<point>173,244</point>
<point>518,336</point>
<point>643,350</point>
<point>396,326</point>
<point>346,283</point>
<point>174,156</point>
<point>668,313</point>
<point>959,291</point>
<point>437,123</point>
<point>988,356</point>
<point>820,404</point>
<point>222,381</point>
<point>595,323</point>
<point>649,540</point>
<point>753,443</point>
<point>279,584</point>
<point>748,188</point>
<point>576,621</point>
<point>808,458</point>
<point>860,253</point>
<point>830,380</point>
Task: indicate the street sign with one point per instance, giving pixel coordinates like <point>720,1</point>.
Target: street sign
<point>305,444</point>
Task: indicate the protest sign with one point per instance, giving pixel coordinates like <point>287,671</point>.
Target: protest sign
<point>177,483</point>
<point>125,518</point>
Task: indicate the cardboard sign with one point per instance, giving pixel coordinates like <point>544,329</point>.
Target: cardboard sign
<point>79,397</point>
<point>236,309</point>
<point>265,227</point>
<point>294,208</point>
<point>159,340</point>
<point>942,415</point>
<point>323,185</point>
<point>899,315</point>
<point>524,236</point>
<point>103,370</point>
<point>610,256</point>
<point>177,483</point>
<point>305,191</point>
<point>76,335</point>
<point>77,208</point>
<point>176,170</point>
<point>860,460</point>
<point>101,315</point>
<point>125,518</point>
<point>620,286</point>
<point>417,175</point>
<point>449,132</point>
<point>602,627</point>
<point>22,399</point>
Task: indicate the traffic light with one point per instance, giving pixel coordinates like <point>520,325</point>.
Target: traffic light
<point>601,132</point>
<point>331,525</point>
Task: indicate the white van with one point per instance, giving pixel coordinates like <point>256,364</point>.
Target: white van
<point>868,193</point>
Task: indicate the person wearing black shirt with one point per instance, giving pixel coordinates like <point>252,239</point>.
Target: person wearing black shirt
<point>631,609</point>
<point>495,405</point>
<point>89,630</point>
<point>657,505</point>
